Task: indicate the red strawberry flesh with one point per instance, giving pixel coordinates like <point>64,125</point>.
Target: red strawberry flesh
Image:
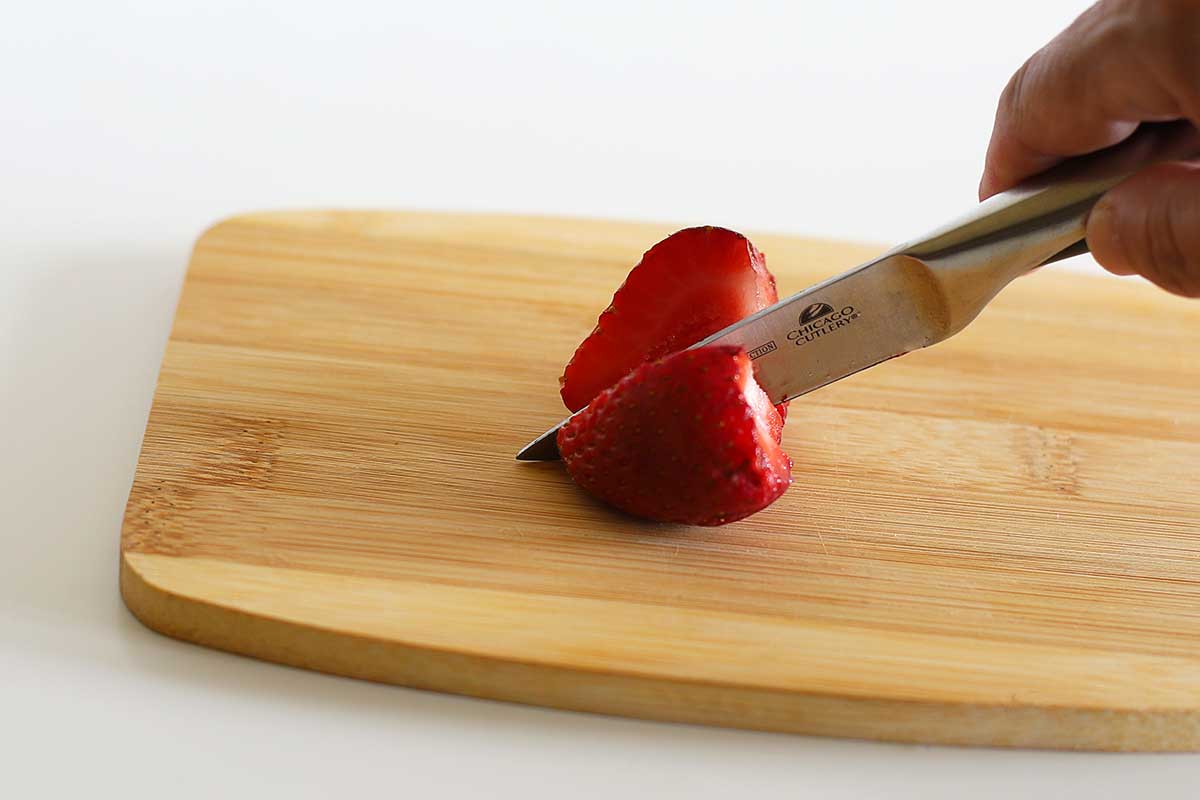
<point>688,286</point>
<point>690,439</point>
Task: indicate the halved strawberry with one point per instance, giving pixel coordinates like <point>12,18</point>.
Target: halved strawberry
<point>688,286</point>
<point>691,438</point>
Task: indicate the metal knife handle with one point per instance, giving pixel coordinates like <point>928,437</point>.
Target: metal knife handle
<point>1044,219</point>
<point>1048,213</point>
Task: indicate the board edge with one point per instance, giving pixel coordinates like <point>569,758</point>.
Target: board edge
<point>232,630</point>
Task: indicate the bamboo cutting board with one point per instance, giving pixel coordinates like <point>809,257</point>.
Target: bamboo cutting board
<point>993,541</point>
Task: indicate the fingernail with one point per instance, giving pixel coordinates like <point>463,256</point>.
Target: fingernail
<point>1104,238</point>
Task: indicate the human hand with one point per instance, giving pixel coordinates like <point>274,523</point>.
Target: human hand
<point>1123,62</point>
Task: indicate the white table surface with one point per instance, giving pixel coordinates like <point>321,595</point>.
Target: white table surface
<point>126,128</point>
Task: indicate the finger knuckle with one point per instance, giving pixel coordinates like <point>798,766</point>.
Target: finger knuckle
<point>1030,100</point>
<point>1012,99</point>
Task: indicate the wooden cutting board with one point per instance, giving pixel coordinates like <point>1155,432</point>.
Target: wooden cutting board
<point>994,541</point>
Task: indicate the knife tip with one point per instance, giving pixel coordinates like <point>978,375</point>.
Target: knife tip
<point>543,448</point>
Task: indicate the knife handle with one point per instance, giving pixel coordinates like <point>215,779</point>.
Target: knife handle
<point>1044,219</point>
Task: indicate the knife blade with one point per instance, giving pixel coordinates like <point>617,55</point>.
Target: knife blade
<point>924,291</point>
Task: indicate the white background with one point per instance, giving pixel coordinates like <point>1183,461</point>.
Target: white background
<point>126,128</point>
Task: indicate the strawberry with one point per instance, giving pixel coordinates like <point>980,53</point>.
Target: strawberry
<point>688,286</point>
<point>691,438</point>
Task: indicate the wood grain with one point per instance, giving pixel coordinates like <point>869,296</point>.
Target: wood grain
<point>993,541</point>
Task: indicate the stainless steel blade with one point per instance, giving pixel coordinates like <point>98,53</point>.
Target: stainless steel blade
<point>869,314</point>
<point>874,312</point>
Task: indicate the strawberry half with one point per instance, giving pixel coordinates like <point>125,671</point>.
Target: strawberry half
<point>691,438</point>
<point>688,286</point>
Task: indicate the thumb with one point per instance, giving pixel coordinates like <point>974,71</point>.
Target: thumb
<point>1149,225</point>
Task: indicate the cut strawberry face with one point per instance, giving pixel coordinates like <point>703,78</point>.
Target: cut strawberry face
<point>691,439</point>
<point>688,286</point>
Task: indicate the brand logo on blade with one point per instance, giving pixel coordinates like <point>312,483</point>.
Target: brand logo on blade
<point>821,319</point>
<point>815,311</point>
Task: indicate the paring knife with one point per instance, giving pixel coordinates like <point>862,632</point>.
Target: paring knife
<point>924,291</point>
